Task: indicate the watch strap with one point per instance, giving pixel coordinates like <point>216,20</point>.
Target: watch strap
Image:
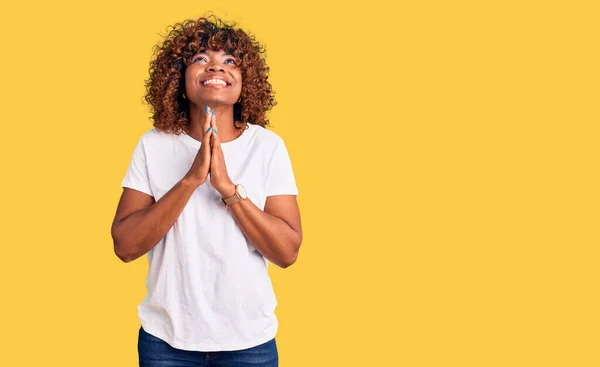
<point>232,199</point>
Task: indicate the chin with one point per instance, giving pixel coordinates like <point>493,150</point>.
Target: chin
<point>219,101</point>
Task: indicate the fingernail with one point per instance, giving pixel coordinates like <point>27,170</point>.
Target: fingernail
<point>213,112</point>
<point>216,132</point>
<point>209,129</point>
<point>206,109</point>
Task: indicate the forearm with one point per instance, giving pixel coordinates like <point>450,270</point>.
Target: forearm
<point>139,232</point>
<point>271,236</point>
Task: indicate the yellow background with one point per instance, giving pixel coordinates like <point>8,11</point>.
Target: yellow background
<point>446,155</point>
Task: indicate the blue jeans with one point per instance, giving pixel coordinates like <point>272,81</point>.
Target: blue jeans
<point>154,352</point>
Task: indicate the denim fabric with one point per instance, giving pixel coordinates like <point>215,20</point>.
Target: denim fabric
<point>154,352</point>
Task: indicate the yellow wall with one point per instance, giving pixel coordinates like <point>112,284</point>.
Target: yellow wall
<point>446,155</point>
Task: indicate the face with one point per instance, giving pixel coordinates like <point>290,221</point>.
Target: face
<point>212,78</point>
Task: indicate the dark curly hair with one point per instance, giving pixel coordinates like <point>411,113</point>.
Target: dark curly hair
<point>166,85</point>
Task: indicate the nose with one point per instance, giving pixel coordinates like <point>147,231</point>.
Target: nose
<point>214,68</point>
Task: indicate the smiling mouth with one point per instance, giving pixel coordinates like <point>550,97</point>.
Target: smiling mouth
<point>216,82</point>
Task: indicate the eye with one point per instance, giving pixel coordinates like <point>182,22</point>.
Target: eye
<point>199,58</point>
<point>230,61</point>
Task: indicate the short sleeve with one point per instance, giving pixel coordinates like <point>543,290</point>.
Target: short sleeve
<point>280,175</point>
<point>137,174</point>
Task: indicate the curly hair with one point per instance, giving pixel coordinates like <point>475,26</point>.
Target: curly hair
<point>166,85</point>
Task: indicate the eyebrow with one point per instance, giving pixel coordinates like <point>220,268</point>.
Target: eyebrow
<point>206,53</point>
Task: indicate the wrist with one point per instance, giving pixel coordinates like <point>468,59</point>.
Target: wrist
<point>189,181</point>
<point>239,194</point>
<point>228,191</point>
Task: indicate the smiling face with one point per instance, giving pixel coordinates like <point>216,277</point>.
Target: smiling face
<point>213,78</point>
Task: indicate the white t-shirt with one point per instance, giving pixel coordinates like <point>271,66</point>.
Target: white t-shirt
<point>208,287</point>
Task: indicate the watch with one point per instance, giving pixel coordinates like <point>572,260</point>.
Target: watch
<point>240,194</point>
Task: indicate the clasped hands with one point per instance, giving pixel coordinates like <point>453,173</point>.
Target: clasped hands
<point>210,159</point>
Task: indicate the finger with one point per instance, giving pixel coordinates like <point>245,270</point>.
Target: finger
<point>216,139</point>
<point>207,118</point>
<point>214,158</point>
<point>206,143</point>
<point>206,139</point>
<point>213,120</point>
<point>213,142</point>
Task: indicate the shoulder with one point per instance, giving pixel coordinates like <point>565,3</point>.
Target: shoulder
<point>154,136</point>
<point>266,137</point>
<point>154,133</point>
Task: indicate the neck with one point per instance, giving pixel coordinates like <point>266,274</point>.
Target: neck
<point>224,119</point>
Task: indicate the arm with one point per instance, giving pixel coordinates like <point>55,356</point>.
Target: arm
<point>275,232</point>
<point>140,223</point>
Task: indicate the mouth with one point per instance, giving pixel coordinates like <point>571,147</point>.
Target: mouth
<point>215,83</point>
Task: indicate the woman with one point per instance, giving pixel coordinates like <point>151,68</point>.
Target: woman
<point>210,196</point>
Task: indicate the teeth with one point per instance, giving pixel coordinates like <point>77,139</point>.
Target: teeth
<point>215,81</point>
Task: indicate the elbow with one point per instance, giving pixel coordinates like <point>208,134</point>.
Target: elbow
<point>122,254</point>
<point>120,249</point>
<point>288,262</point>
<point>291,258</point>
<point>124,257</point>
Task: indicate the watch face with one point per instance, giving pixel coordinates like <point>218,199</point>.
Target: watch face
<point>242,191</point>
